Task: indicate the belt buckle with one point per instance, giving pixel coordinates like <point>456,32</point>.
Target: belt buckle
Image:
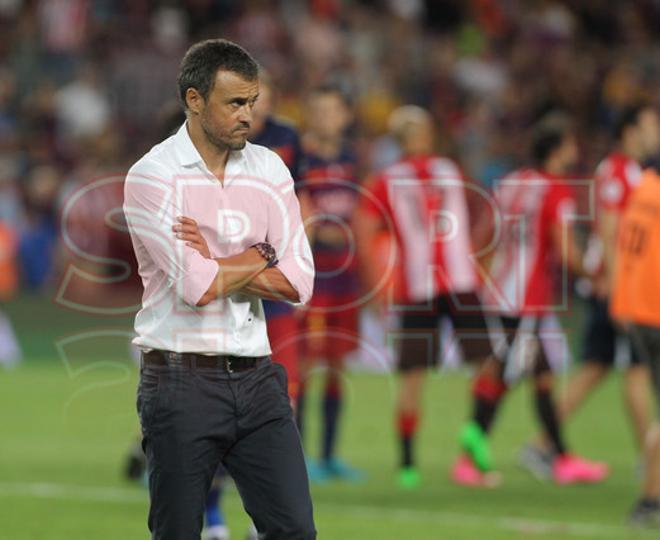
<point>228,365</point>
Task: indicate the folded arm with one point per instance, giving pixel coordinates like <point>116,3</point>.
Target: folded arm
<point>241,272</point>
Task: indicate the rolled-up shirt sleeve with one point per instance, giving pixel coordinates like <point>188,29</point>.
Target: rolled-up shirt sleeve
<point>286,234</point>
<point>151,211</point>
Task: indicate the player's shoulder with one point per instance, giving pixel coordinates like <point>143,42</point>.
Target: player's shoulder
<point>618,164</point>
<point>155,163</point>
<point>284,128</point>
<point>443,167</point>
<point>266,164</point>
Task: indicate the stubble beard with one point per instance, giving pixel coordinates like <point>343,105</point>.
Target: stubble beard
<point>222,143</point>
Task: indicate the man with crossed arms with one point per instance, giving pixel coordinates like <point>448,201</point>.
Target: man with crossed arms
<point>208,391</point>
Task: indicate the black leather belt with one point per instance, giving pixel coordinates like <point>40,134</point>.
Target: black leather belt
<point>225,362</point>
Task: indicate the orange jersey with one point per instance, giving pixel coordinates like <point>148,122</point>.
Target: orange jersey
<point>636,290</point>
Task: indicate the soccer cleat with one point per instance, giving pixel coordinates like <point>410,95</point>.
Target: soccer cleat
<point>570,469</point>
<point>645,514</point>
<point>339,469</point>
<point>475,443</point>
<point>217,532</point>
<point>332,469</point>
<point>466,473</point>
<point>536,461</point>
<point>317,473</point>
<point>409,478</point>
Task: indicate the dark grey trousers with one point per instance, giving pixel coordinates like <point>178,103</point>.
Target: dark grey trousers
<point>193,419</point>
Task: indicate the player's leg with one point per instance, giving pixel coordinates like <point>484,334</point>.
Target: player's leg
<point>418,344</point>
<point>598,354</point>
<point>475,466</point>
<point>566,467</point>
<point>646,512</point>
<point>267,462</point>
<point>343,338</point>
<point>638,395</point>
<point>312,347</point>
<point>285,342</point>
<point>10,350</point>
<point>216,528</point>
<point>135,466</point>
<point>181,464</point>
<point>599,344</point>
<point>476,342</point>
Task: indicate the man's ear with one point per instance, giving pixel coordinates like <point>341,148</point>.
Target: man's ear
<point>194,100</point>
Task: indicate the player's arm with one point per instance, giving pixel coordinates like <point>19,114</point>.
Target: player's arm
<point>564,244</point>
<point>368,222</point>
<point>559,212</point>
<point>366,227</point>
<point>608,225</point>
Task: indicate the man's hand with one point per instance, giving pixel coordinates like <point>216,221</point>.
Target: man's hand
<point>188,230</point>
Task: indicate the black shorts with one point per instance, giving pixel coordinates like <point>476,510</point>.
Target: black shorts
<point>601,336</point>
<point>418,341</point>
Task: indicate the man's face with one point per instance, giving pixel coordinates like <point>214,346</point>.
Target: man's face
<point>226,114</point>
<point>649,132</point>
<point>328,115</point>
<point>419,138</point>
<point>263,108</point>
<point>569,152</point>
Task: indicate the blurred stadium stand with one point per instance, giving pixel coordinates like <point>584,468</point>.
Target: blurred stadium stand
<point>84,83</point>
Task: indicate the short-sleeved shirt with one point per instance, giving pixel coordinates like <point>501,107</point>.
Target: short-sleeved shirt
<point>424,202</point>
<point>522,274</point>
<point>636,289</point>
<point>255,202</point>
<point>616,177</point>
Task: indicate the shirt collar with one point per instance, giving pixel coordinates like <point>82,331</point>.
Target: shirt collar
<point>188,154</point>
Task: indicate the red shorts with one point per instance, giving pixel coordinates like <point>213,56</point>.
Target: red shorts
<point>331,330</point>
<point>284,337</point>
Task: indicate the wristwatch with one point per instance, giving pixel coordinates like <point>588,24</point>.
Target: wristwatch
<point>267,252</point>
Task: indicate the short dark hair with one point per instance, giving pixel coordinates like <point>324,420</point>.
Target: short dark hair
<point>628,117</point>
<point>332,88</point>
<point>548,135</point>
<point>203,60</point>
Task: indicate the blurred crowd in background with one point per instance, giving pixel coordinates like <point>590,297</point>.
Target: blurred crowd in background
<point>85,85</point>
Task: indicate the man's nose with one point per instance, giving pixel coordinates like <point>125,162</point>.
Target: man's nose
<point>245,114</point>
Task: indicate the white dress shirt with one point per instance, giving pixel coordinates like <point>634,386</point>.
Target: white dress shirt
<point>256,202</point>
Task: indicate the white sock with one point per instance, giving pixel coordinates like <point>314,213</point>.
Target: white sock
<point>10,350</point>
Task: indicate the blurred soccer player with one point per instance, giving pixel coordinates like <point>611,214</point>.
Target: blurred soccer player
<point>10,351</point>
<point>638,138</point>
<point>636,304</point>
<point>520,291</point>
<point>331,324</point>
<point>422,197</point>
<point>282,138</point>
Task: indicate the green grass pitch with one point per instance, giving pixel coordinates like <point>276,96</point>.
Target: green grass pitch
<point>66,424</point>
